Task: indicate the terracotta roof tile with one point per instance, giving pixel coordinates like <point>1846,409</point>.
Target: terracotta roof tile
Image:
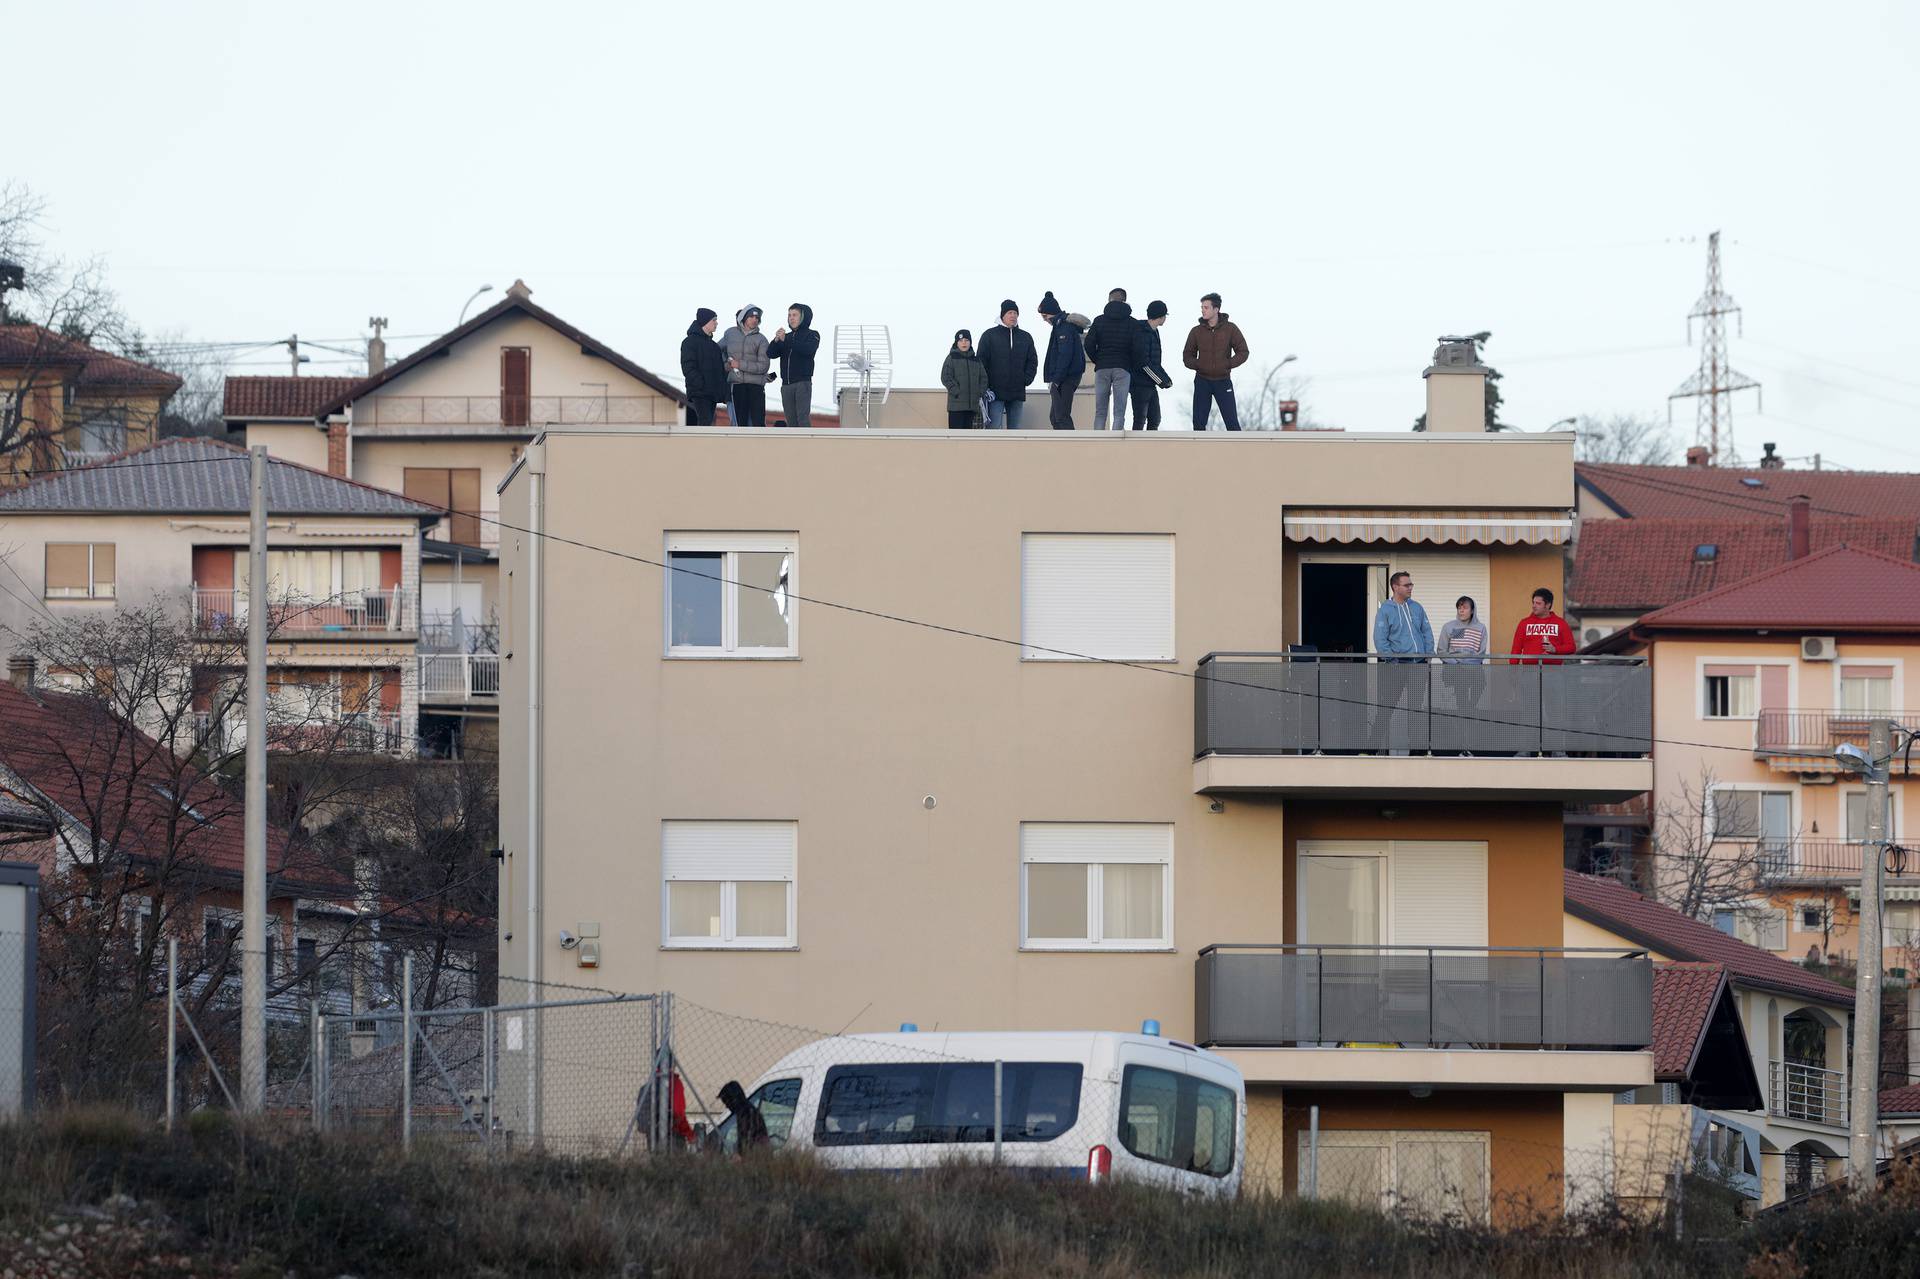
<point>1645,922</point>
<point>1900,1101</point>
<point>1683,1000</point>
<point>31,344</point>
<point>1713,492</point>
<point>1839,589</point>
<point>270,397</point>
<point>1640,565</point>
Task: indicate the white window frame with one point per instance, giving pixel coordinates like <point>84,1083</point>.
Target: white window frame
<point>1095,940</point>
<point>1712,813</point>
<point>1706,695</point>
<point>1700,665</point>
<point>1388,1141</point>
<point>1390,853</point>
<point>1896,694</point>
<point>93,591</point>
<point>1795,922</point>
<point>730,546</point>
<point>729,938</point>
<point>1851,836</point>
<point>1029,652</point>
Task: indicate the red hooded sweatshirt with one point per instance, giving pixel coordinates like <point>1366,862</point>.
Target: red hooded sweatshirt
<point>1549,634</point>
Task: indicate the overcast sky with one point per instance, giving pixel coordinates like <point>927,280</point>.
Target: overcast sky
<point>1355,179</point>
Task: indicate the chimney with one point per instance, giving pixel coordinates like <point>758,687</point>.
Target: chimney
<point>1456,389</point>
<point>1771,461</point>
<point>519,291</point>
<point>1799,527</point>
<point>337,450</point>
<point>20,673</point>
<point>376,347</point>
<point>1698,456</point>
<point>1289,415</point>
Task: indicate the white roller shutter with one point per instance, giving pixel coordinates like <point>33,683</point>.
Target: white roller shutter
<point>1096,842</point>
<point>1439,892</point>
<point>1096,595</point>
<point>1441,577</point>
<point>727,850</point>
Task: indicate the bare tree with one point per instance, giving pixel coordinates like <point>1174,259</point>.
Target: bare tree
<point>1710,856</point>
<point>1624,438</point>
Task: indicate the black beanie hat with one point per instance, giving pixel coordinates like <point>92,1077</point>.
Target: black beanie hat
<point>1009,305</point>
<point>704,314</point>
<point>1048,306</point>
<point>961,333</point>
<point>1156,309</point>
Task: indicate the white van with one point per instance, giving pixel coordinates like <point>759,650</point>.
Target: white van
<point>1092,1104</point>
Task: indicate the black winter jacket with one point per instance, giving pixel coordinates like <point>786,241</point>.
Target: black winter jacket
<point>1066,350</point>
<point>1114,340</point>
<point>1149,356</point>
<point>1011,360</point>
<point>796,350</point>
<point>703,365</point>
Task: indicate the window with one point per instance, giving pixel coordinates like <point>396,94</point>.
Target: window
<point>1762,926</point>
<point>1866,689</point>
<point>455,490</point>
<point>1178,1120</point>
<point>728,884</point>
<point>776,1101</point>
<point>306,956</point>
<point>1403,892</point>
<point>1096,886</point>
<point>1856,816</point>
<point>908,1103</point>
<point>731,595</point>
<point>1765,817</point>
<point>1098,596</point>
<point>1813,917</point>
<point>1730,696</point>
<point>80,570</point>
<point>1431,1175</point>
<point>99,433</point>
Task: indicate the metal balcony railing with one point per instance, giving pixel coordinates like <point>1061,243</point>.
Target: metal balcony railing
<point>459,677</point>
<point>512,412</point>
<point>1311,703</point>
<point>1282,995</point>
<point>373,732</point>
<point>222,609</point>
<point>437,634</point>
<point>1814,1094</point>
<point>1813,735</point>
<point>1813,861</point>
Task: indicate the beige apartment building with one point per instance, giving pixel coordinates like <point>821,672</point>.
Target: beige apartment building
<point>65,403</point>
<point>1025,730</point>
<point>443,426</point>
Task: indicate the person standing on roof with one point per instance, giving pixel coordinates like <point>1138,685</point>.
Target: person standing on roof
<point>704,366</point>
<point>1541,632</point>
<point>1066,360</point>
<point>1149,378</point>
<point>1114,344</point>
<point>1011,360</point>
<point>748,369</point>
<point>966,381</point>
<point>795,346</point>
<point>1215,348</point>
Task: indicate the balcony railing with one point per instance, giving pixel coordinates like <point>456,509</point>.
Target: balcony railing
<point>437,633</point>
<point>1816,861</point>
<point>1785,736</point>
<point>1308,703</point>
<point>461,677</point>
<point>1268,996</point>
<point>1810,1093</point>
<point>222,609</point>
<point>371,732</point>
<point>513,412</point>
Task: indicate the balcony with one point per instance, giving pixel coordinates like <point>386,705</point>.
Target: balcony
<point>1811,1094</point>
<point>510,414</point>
<point>1340,725</point>
<point>460,678</point>
<point>1829,862</point>
<point>363,732</point>
<point>1288,996</point>
<point>1804,741</point>
<point>223,611</point>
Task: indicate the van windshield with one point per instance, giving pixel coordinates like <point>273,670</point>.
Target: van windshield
<point>902,1104</point>
<point>1177,1120</point>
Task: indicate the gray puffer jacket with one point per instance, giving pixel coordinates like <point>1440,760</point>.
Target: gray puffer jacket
<point>748,351</point>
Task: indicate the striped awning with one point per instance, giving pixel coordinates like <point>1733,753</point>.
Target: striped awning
<point>1484,528</point>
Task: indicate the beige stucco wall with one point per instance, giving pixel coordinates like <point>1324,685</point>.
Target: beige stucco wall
<point>301,442</point>
<point>906,913</point>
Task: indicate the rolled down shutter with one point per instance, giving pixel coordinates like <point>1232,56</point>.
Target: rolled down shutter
<point>1441,577</point>
<point>1773,688</point>
<point>727,850</point>
<point>1096,595</point>
<point>1136,842</point>
<point>1439,892</point>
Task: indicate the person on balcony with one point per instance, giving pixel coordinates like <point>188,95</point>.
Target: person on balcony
<point>966,381</point>
<point>749,369</point>
<point>1403,638</point>
<point>794,346</point>
<point>704,365</point>
<point>1463,645</point>
<point>1541,632</point>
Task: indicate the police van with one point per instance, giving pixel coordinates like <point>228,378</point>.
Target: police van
<point>1082,1104</point>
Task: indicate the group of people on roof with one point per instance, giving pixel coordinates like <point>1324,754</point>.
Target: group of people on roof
<point>737,369</point>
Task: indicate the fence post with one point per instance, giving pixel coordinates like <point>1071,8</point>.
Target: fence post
<point>1679,1198</point>
<point>317,1035</point>
<point>173,1020</point>
<point>997,1070</point>
<point>406,1053</point>
<point>668,1057</point>
<point>487,1076</point>
<point>1313,1152</point>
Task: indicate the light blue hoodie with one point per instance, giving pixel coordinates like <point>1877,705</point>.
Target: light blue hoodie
<point>1402,628</point>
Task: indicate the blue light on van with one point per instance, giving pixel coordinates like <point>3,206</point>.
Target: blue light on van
<point>908,1028</point>
<point>1150,1026</point>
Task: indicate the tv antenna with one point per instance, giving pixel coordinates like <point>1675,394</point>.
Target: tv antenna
<point>862,362</point>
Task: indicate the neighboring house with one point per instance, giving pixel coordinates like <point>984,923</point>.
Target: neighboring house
<point>64,403</point>
<point>1754,685</point>
<point>1614,490</point>
<point>169,523</point>
<point>1038,730</point>
<point>1899,1117</point>
<point>1797,1028</point>
<point>443,426</point>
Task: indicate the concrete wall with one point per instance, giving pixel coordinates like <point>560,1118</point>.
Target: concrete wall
<point>301,442</point>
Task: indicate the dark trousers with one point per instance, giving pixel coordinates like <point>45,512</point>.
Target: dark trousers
<point>1060,411</point>
<point>700,410</point>
<point>1146,403</point>
<point>1208,391</point>
<point>749,406</point>
<point>1395,682</point>
<point>962,420</point>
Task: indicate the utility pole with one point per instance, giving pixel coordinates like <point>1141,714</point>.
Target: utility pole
<point>1715,382</point>
<point>253,885</point>
<point>1864,1113</point>
<point>292,343</point>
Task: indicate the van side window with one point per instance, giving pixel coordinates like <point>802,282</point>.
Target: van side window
<point>895,1104</point>
<point>776,1101</point>
<point>1177,1120</point>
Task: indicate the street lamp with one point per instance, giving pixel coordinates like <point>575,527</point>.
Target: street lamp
<point>485,288</point>
<point>1268,384</point>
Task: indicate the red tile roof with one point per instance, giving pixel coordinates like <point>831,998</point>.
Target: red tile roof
<point>294,397</point>
<point>1644,922</point>
<point>1900,1101</point>
<point>1683,1000</point>
<point>1638,565</point>
<point>1712,492</point>
<point>1839,589</point>
<point>35,346</point>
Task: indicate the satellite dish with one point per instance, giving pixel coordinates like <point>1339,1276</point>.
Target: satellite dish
<point>862,362</point>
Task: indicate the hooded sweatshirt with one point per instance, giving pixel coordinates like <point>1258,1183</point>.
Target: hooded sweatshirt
<point>1540,635</point>
<point>796,350</point>
<point>703,364</point>
<point>1214,353</point>
<point>965,378</point>
<point>1463,641</point>
<point>748,351</point>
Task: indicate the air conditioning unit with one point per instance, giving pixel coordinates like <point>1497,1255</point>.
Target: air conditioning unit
<point>1818,648</point>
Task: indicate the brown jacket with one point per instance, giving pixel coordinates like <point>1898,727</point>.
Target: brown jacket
<point>1214,353</point>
